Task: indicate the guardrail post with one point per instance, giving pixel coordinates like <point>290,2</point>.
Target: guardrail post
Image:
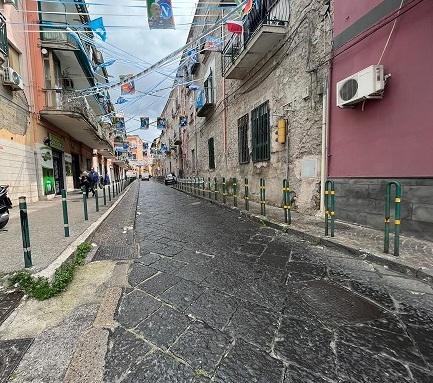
<point>330,208</point>
<point>262,196</point>
<point>235,192</point>
<point>247,197</point>
<point>286,202</point>
<point>224,190</point>
<point>65,213</point>
<point>25,232</point>
<point>216,188</point>
<point>397,216</point>
<point>86,213</point>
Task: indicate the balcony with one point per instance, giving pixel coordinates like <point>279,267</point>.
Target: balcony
<point>75,117</point>
<point>205,101</point>
<point>264,28</point>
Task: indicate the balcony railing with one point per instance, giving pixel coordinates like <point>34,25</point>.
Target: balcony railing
<point>205,101</point>
<point>268,14</point>
<point>58,35</point>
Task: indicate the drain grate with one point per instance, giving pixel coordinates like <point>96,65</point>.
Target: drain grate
<point>114,253</point>
<point>338,304</point>
<point>8,302</point>
<point>11,353</point>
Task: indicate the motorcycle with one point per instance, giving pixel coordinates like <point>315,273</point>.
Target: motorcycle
<point>5,205</point>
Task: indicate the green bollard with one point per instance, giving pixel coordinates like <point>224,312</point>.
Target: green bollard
<point>109,193</point>
<point>86,214</point>
<point>247,197</point>
<point>235,192</point>
<point>224,190</point>
<point>262,196</point>
<point>203,188</point>
<point>286,202</point>
<point>105,196</point>
<point>397,216</point>
<point>216,188</point>
<point>97,200</point>
<point>25,232</point>
<point>209,188</point>
<point>65,213</point>
<point>330,208</point>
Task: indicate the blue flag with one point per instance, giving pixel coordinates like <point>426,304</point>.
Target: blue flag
<point>121,100</point>
<point>98,27</point>
<point>106,63</point>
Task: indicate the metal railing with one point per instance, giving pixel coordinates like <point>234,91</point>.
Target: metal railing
<point>267,13</point>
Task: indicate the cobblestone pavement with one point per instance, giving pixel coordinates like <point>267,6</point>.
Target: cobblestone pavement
<point>216,297</point>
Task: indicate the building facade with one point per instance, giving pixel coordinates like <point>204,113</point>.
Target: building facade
<point>390,138</point>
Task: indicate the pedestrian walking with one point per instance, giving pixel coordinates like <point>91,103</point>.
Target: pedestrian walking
<point>85,183</point>
<point>93,180</point>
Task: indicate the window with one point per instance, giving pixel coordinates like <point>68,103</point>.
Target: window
<point>208,89</point>
<point>3,36</point>
<point>244,155</point>
<point>211,151</point>
<point>261,134</point>
<point>193,158</point>
<point>14,58</point>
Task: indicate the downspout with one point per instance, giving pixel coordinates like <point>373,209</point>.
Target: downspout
<point>325,140</point>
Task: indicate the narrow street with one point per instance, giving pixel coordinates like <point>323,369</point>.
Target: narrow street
<point>215,297</point>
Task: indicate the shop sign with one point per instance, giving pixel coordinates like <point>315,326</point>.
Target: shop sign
<point>56,142</point>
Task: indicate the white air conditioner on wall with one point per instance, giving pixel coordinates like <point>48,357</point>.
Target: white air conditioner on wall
<point>366,84</point>
<point>12,79</point>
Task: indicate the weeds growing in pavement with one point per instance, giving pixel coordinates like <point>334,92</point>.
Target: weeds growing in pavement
<point>42,288</point>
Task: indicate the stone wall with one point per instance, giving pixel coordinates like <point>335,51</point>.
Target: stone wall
<point>291,79</point>
<point>363,201</point>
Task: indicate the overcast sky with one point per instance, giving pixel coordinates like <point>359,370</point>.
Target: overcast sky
<point>143,47</point>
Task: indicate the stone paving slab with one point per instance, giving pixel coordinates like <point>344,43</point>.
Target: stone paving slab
<point>313,315</point>
<point>11,353</point>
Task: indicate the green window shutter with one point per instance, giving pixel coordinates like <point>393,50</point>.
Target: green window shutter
<point>261,133</point>
<point>244,155</point>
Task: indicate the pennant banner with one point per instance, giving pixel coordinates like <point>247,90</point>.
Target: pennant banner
<point>160,14</point>
<point>183,121</point>
<point>98,27</point>
<point>161,123</point>
<point>213,44</point>
<point>128,87</point>
<point>144,123</point>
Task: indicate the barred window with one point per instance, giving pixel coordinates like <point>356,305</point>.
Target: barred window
<point>3,36</point>
<point>261,133</point>
<point>244,155</point>
<point>211,149</point>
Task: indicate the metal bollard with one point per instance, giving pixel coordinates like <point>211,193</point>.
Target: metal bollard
<point>209,188</point>
<point>25,232</point>
<point>286,202</point>
<point>203,187</point>
<point>105,196</point>
<point>97,200</point>
<point>86,214</point>
<point>65,213</point>
<point>262,196</point>
<point>216,188</point>
<point>330,208</point>
<point>109,193</point>
<point>247,197</point>
<point>224,190</point>
<point>235,192</point>
<point>397,216</point>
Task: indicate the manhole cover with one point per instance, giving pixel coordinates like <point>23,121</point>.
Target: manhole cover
<point>8,302</point>
<point>114,253</point>
<point>336,303</point>
<point>11,353</point>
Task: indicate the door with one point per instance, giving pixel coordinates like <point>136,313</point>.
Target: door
<point>59,181</point>
<point>76,170</point>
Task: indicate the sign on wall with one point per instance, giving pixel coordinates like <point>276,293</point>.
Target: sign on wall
<point>56,142</point>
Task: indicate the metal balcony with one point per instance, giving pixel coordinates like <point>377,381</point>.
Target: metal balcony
<point>74,116</point>
<point>207,104</point>
<point>264,27</point>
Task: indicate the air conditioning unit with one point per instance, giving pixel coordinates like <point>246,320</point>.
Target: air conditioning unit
<point>12,79</point>
<point>366,84</point>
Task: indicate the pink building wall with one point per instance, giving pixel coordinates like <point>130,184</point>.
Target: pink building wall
<point>392,137</point>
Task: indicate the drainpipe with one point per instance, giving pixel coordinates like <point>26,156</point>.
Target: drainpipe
<point>325,140</point>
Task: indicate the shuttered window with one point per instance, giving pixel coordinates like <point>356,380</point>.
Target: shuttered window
<point>211,151</point>
<point>261,133</point>
<point>244,155</point>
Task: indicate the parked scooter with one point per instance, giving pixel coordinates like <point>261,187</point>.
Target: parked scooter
<point>5,205</point>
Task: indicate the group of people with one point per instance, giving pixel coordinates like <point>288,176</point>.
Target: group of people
<point>90,180</point>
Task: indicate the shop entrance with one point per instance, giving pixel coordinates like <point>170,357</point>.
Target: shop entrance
<point>59,181</point>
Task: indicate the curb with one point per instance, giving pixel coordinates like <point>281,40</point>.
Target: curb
<point>49,271</point>
<point>424,275</point>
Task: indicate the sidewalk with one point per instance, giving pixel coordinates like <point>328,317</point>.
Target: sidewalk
<point>416,256</point>
<point>46,230</point>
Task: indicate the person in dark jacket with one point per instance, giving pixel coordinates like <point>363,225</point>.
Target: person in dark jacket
<point>85,184</point>
<point>107,179</point>
<point>93,180</point>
